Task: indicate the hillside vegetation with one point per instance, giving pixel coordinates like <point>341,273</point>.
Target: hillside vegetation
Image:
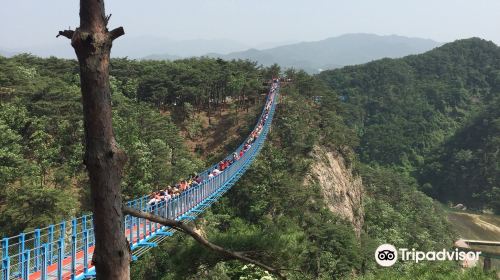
<point>430,116</point>
<point>387,120</point>
<point>271,214</point>
<point>43,179</point>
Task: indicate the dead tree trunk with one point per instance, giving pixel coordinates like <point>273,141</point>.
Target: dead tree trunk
<point>104,160</point>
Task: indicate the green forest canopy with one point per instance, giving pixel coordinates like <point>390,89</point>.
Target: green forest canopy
<point>433,116</point>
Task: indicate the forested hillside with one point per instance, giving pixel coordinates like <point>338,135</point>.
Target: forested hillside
<point>387,120</point>
<point>42,174</point>
<point>427,116</point>
<point>271,214</point>
<point>468,161</point>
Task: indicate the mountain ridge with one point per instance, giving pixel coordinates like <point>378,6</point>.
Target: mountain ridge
<point>335,52</point>
<point>311,56</point>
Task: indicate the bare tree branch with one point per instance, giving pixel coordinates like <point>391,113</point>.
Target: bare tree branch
<point>177,225</point>
<point>106,20</point>
<point>117,32</point>
<point>66,33</point>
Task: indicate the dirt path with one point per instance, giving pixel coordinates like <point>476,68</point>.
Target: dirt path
<point>225,133</point>
<point>476,226</point>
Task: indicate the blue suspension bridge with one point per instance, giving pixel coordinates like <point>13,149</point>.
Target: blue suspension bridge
<point>64,250</point>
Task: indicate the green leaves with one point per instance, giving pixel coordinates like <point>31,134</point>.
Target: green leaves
<point>10,153</point>
<point>29,206</point>
<point>447,270</point>
<point>397,213</point>
<point>410,105</point>
<point>468,161</point>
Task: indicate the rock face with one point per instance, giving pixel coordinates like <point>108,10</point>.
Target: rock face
<point>342,191</point>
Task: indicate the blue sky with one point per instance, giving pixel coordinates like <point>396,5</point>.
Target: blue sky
<point>253,22</point>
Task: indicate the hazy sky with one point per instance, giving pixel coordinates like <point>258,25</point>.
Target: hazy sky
<point>253,22</point>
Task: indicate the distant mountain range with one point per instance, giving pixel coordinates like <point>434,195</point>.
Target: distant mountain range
<point>7,53</point>
<point>313,57</point>
<point>336,52</point>
<point>163,48</point>
<point>143,47</point>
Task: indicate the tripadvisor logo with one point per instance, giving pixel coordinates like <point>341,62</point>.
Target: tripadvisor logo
<point>386,255</point>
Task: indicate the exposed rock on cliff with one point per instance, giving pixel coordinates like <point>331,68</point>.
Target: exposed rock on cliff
<point>342,191</point>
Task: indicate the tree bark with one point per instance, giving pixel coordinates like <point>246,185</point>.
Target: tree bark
<point>103,158</point>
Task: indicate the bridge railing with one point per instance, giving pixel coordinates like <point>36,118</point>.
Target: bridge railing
<point>65,249</point>
<point>186,205</point>
<point>37,250</point>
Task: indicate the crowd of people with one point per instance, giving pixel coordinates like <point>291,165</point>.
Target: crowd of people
<point>195,179</point>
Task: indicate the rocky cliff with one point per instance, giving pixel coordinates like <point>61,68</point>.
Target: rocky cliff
<point>342,191</point>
